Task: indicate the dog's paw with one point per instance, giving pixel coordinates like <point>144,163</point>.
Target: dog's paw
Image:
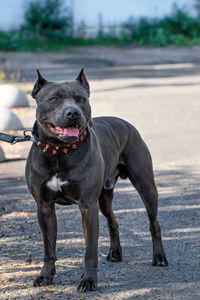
<point>115,254</point>
<point>46,275</point>
<point>87,285</point>
<point>159,260</point>
<point>43,280</point>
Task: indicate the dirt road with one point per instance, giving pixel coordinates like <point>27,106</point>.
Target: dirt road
<point>158,91</point>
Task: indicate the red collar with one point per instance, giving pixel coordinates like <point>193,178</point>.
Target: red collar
<point>58,150</point>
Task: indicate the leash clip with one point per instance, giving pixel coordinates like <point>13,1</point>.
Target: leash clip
<point>23,138</point>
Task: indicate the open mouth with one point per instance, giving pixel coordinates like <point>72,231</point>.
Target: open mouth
<point>72,131</point>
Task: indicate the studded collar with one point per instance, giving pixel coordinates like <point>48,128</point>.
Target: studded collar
<point>58,150</point>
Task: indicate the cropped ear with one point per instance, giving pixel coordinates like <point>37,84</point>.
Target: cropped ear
<point>38,85</point>
<point>83,81</point>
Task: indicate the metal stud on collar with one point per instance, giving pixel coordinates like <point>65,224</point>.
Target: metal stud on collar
<point>45,149</point>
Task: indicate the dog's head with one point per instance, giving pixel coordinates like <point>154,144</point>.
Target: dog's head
<point>63,109</point>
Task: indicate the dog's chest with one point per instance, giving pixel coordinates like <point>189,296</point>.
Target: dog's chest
<point>61,186</point>
<point>55,183</point>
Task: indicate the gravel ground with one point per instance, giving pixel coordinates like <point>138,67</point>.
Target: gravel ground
<point>134,278</point>
<point>163,104</point>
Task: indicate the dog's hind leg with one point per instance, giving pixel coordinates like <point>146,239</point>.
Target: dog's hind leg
<point>105,204</point>
<point>140,173</point>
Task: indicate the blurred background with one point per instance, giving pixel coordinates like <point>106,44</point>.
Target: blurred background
<point>142,60</point>
<point>26,24</point>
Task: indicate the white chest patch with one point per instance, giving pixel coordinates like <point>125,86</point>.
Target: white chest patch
<point>55,183</point>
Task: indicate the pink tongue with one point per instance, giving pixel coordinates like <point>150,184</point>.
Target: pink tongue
<point>70,131</point>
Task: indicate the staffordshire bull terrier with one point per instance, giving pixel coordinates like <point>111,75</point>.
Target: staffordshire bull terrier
<point>77,160</point>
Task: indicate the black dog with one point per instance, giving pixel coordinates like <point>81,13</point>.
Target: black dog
<point>76,162</point>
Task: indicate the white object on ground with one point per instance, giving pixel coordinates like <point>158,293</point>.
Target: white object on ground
<point>8,120</point>
<point>2,156</point>
<point>11,96</point>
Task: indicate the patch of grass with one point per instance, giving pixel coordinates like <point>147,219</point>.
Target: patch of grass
<point>12,41</point>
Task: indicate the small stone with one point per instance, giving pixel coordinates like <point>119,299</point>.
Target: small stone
<point>29,259</point>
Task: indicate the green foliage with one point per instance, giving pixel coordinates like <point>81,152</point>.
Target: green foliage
<point>48,26</point>
<point>179,29</point>
<point>3,40</point>
<point>46,19</point>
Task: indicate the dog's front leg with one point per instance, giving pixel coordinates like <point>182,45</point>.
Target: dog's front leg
<point>90,221</point>
<point>48,224</point>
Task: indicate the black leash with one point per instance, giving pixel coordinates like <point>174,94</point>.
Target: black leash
<point>13,139</point>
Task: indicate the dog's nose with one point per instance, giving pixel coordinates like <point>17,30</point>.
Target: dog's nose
<point>72,113</point>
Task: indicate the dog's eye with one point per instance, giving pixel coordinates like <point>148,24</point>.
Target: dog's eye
<point>79,99</point>
<point>53,99</point>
